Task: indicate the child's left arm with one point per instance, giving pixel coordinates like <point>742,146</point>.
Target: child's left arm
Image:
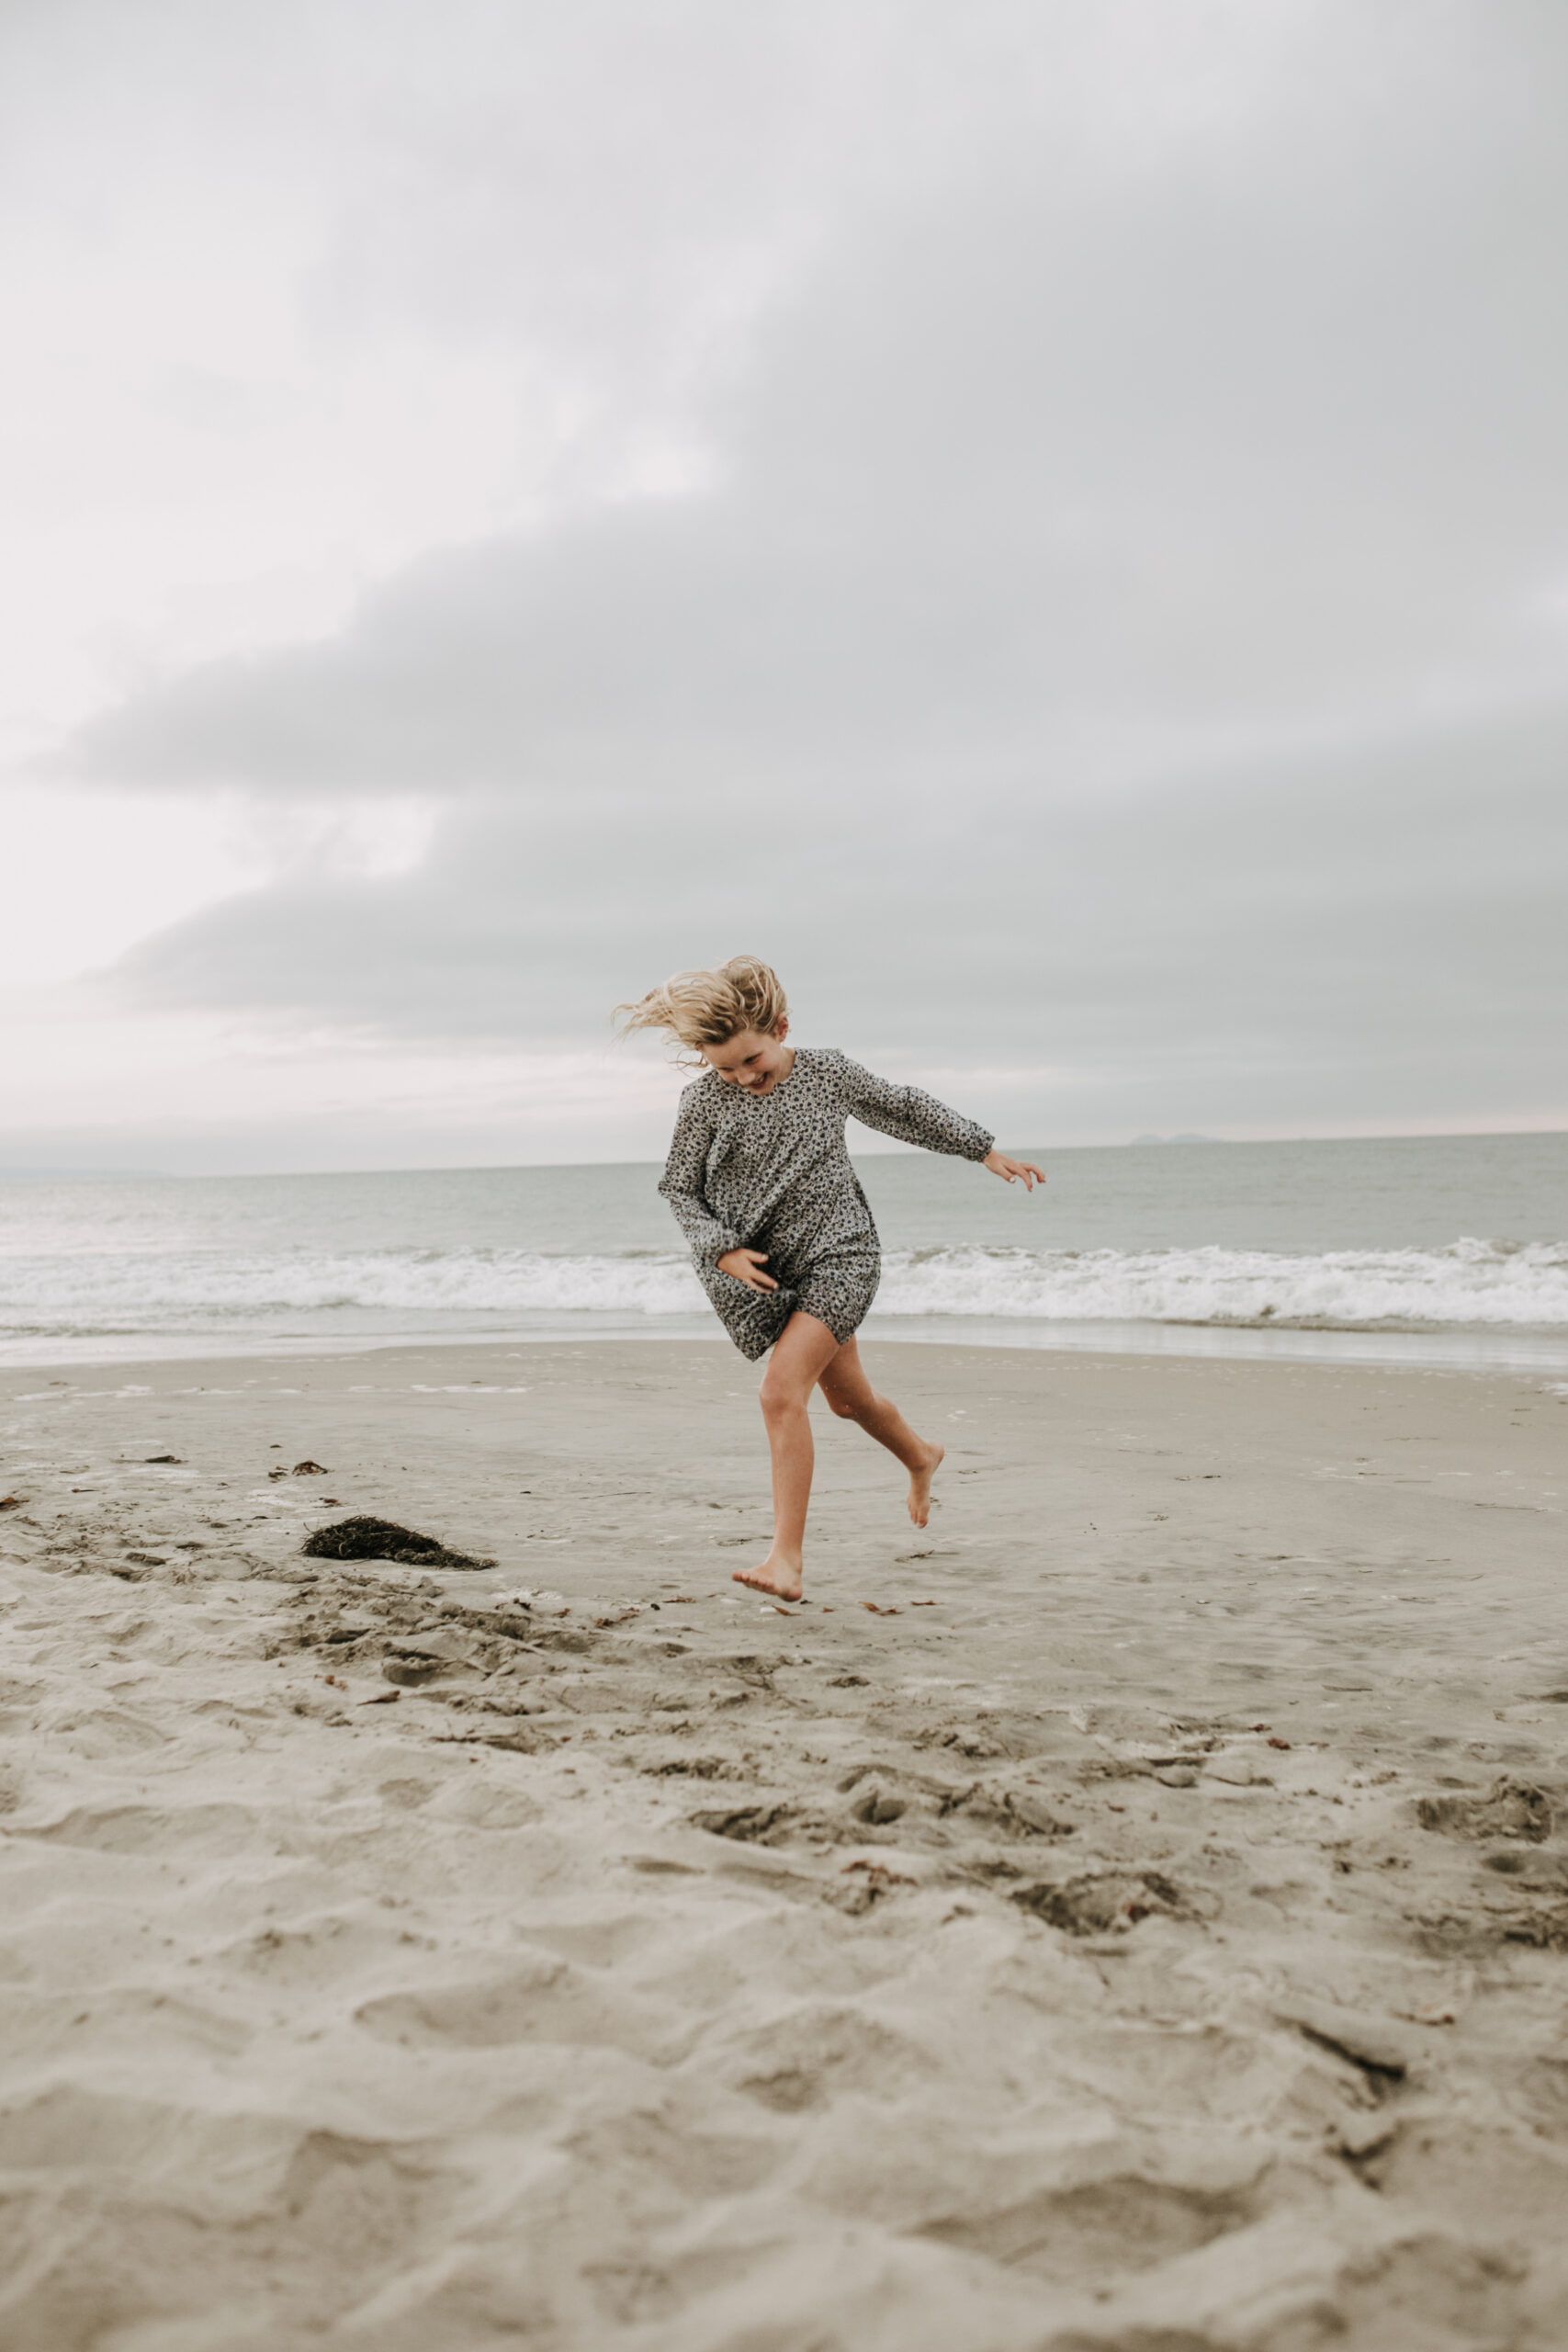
<point>918,1117</point>
<point>1009,1170</point>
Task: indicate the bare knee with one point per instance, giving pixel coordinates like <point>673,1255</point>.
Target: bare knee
<point>850,1400</point>
<point>779,1399</point>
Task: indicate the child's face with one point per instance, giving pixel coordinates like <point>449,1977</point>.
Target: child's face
<point>754,1060</point>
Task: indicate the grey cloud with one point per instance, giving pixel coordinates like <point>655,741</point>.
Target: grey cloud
<point>1244,427</point>
<point>1344,946</point>
<point>1067,468</point>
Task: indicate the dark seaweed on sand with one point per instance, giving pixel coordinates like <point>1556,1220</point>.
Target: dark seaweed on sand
<point>381,1539</point>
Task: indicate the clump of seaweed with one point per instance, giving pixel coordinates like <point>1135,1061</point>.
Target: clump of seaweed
<point>363,1538</point>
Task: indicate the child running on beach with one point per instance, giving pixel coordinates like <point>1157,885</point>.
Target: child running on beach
<point>781,1237</point>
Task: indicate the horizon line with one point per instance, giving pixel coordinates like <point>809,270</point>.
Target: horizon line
<point>36,1173</point>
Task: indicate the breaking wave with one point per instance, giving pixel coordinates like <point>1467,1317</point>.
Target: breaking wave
<point>1467,1282</point>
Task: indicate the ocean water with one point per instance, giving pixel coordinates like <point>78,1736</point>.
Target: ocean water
<point>1449,1250</point>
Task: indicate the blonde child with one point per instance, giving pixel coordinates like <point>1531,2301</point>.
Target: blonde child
<point>781,1234</point>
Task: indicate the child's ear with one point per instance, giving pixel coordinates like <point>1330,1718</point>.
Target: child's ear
<point>780,1028</point>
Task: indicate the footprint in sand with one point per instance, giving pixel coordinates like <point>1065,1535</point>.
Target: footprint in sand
<point>1510,1809</point>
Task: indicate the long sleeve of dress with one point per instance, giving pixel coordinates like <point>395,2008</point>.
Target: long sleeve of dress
<point>911,1116</point>
<point>682,1183</point>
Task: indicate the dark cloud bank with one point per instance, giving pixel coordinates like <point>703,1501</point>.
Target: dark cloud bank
<point>1123,638</point>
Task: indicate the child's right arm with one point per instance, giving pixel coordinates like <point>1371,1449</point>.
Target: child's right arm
<point>682,1183</point>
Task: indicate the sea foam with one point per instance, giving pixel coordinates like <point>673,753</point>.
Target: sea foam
<point>1468,1282</point>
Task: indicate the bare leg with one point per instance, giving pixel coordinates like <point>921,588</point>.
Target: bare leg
<point>803,1349</point>
<point>851,1395</point>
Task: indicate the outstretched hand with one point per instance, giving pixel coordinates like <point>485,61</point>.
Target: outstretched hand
<point>747,1265</point>
<point>1009,1170</point>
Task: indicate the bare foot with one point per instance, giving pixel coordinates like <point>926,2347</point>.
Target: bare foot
<point>920,1484</point>
<point>780,1577</point>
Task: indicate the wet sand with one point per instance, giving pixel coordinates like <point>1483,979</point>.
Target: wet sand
<point>1145,1928</point>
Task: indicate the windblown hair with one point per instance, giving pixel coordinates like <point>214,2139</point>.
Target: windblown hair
<point>709,1008</point>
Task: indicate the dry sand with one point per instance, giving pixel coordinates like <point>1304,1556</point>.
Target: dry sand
<point>1149,1932</point>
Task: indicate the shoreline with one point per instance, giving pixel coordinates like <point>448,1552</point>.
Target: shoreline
<point>1460,1348</point>
<point>1137,1903</point>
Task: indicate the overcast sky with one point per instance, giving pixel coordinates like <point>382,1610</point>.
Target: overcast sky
<point>1048,519</point>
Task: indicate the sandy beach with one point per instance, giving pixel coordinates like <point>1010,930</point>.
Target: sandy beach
<point>1130,1914</point>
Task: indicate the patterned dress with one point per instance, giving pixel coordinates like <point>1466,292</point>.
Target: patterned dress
<point>771,1171</point>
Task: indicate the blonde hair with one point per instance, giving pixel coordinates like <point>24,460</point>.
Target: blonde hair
<point>709,1008</point>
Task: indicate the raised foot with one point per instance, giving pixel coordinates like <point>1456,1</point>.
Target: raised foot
<point>775,1576</point>
<point>920,1484</point>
